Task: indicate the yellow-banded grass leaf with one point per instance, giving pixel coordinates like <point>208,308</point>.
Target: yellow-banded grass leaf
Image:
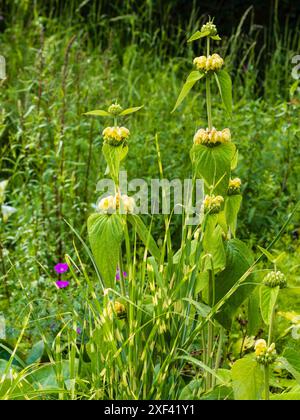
<point>98,113</point>
<point>247,379</point>
<point>105,235</point>
<point>268,298</point>
<point>238,260</point>
<point>213,164</point>
<point>232,207</point>
<point>192,78</point>
<point>114,156</point>
<point>131,110</point>
<point>225,88</point>
<point>144,234</point>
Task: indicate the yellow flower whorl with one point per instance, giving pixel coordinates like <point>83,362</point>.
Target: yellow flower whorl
<point>115,135</point>
<point>212,137</point>
<point>212,62</point>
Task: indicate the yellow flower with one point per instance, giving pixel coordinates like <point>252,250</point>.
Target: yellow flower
<point>124,132</point>
<point>128,203</point>
<point>201,136</point>
<point>107,204</point>
<point>226,136</point>
<point>260,347</point>
<point>235,183</point>
<point>217,62</point>
<point>119,308</point>
<point>200,62</point>
<point>212,204</point>
<point>212,137</point>
<point>209,63</point>
<point>116,134</point>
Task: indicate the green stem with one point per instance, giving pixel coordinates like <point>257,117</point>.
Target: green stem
<point>210,335</point>
<point>219,353</point>
<point>271,326</point>
<point>208,94</point>
<point>267,382</point>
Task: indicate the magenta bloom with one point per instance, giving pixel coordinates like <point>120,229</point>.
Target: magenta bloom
<point>61,268</point>
<point>61,284</point>
<point>118,274</point>
<point>78,330</point>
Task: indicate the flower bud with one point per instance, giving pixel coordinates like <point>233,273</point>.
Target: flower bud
<point>274,279</point>
<point>209,27</point>
<point>115,109</point>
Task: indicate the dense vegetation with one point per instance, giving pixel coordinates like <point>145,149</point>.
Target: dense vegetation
<point>65,342</point>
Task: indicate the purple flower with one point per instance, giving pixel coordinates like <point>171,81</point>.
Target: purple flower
<point>61,284</point>
<point>118,274</point>
<point>61,268</point>
<point>78,330</point>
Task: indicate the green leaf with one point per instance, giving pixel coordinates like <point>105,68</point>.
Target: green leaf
<point>198,35</point>
<point>289,367</point>
<point>235,159</point>
<point>290,396</point>
<point>192,78</point>
<point>36,353</point>
<point>98,113</point>
<point>192,390</point>
<point>131,110</point>
<point>232,207</point>
<point>113,156</point>
<point>105,235</point>
<point>268,254</point>
<point>218,393</point>
<point>202,309</point>
<point>213,245</point>
<point>216,38</point>
<point>268,298</point>
<point>254,315</point>
<point>238,259</point>
<point>213,165</point>
<point>292,356</point>
<point>247,379</point>
<point>225,87</point>
<point>144,235</point>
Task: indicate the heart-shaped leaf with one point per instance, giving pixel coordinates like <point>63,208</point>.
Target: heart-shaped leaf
<point>213,164</point>
<point>105,235</point>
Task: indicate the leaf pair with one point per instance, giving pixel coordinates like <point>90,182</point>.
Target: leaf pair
<point>224,84</point>
<point>102,113</point>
